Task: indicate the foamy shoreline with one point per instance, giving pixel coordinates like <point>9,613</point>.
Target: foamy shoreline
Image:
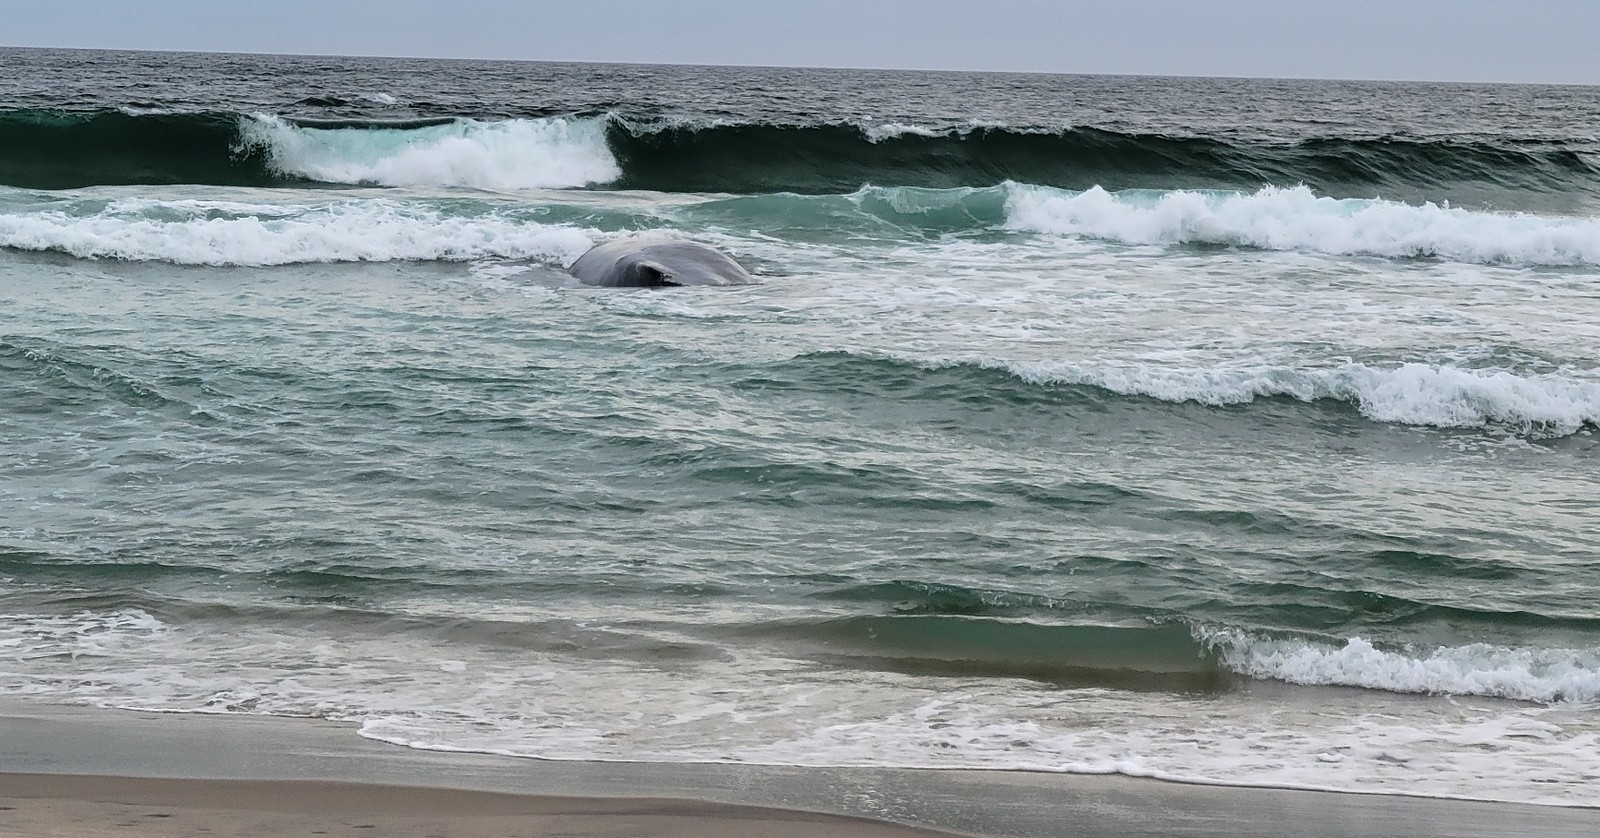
<point>259,774</point>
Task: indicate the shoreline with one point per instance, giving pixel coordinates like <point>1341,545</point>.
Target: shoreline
<point>69,770</point>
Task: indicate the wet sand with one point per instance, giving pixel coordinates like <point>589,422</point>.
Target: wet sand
<point>69,771</point>
<point>67,806</point>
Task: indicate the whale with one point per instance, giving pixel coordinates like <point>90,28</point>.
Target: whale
<point>635,262</point>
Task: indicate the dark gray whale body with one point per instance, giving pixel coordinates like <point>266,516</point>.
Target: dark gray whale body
<point>657,263</point>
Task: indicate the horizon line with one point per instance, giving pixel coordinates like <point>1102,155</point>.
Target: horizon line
<point>965,71</point>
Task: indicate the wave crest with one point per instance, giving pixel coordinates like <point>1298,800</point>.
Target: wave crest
<point>230,233</point>
<point>1432,395</point>
<point>1296,219</point>
<point>1480,669</point>
<point>1408,394</point>
<point>514,154</point>
<point>54,149</point>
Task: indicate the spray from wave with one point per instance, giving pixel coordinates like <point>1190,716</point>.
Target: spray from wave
<point>514,154</point>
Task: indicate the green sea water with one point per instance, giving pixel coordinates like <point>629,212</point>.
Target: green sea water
<point>1027,451</point>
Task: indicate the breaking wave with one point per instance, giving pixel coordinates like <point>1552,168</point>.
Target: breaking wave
<point>513,154</point>
<point>53,149</point>
<point>230,233</point>
<point>1408,394</point>
<point>384,228</point>
<point>825,158</point>
<point>1296,219</point>
<point>1432,395</point>
<point>1479,669</point>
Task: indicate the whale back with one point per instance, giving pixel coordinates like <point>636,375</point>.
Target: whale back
<point>636,263</point>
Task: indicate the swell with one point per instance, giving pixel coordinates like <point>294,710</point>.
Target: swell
<point>45,149</point>
<point>833,158</point>
<point>58,149</point>
<point>1149,657</point>
<point>50,149</point>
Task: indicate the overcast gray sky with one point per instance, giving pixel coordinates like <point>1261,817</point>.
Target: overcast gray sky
<point>1446,40</point>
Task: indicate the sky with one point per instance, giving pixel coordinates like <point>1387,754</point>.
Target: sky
<point>1551,41</point>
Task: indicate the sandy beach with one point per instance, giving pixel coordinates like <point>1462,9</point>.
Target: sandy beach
<point>70,771</point>
<point>80,805</point>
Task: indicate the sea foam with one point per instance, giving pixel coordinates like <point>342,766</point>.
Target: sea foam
<point>415,690</point>
<point>514,154</point>
<point>1410,394</point>
<point>1298,220</point>
<point>228,233</point>
<point>1479,669</point>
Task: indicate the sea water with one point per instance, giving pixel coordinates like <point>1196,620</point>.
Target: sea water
<point>1234,431</point>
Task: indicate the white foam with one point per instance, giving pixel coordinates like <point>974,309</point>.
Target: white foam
<point>422,690</point>
<point>1295,219</point>
<point>230,233</point>
<point>880,131</point>
<point>81,635</point>
<point>1480,669</point>
<point>514,154</point>
<point>1411,394</point>
<point>640,127</point>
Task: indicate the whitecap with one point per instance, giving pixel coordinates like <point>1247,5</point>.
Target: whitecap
<point>512,154</point>
<point>1295,219</point>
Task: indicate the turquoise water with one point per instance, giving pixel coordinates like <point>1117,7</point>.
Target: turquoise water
<point>1262,483</point>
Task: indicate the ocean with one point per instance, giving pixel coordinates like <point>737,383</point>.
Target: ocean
<point>1215,430</point>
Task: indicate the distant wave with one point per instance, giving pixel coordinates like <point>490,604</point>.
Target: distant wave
<point>839,157</point>
<point>49,149</point>
<point>63,149</point>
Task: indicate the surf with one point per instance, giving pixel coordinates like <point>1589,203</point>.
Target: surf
<point>59,149</point>
<point>304,227</point>
<point>510,154</point>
